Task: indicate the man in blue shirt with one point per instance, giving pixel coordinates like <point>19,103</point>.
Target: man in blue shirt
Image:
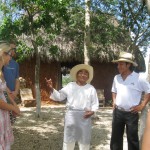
<point>11,75</point>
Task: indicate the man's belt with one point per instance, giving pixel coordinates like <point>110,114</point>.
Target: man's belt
<point>122,109</point>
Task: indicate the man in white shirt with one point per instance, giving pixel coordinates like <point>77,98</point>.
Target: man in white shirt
<point>127,90</point>
<point>82,102</point>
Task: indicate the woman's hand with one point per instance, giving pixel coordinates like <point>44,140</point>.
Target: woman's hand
<point>16,110</point>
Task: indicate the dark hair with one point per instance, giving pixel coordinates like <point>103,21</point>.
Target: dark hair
<point>131,66</point>
<point>13,42</point>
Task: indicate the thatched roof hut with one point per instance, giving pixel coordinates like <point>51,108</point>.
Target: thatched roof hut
<point>68,55</point>
<point>61,53</point>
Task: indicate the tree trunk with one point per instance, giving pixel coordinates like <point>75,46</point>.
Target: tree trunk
<point>149,68</point>
<point>37,79</point>
<point>148,5</point>
<point>87,32</point>
<point>37,85</point>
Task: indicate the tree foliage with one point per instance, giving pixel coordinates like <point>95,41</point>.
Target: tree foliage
<point>112,21</point>
<point>28,22</point>
<point>31,18</point>
<point>133,16</point>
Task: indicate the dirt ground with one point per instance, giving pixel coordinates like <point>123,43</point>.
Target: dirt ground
<point>46,133</point>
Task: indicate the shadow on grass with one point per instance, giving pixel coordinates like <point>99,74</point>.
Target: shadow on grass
<point>46,133</point>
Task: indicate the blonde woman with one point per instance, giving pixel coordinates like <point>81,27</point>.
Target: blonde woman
<point>6,133</point>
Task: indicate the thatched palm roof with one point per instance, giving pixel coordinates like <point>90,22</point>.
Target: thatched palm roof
<point>68,46</point>
<point>68,51</point>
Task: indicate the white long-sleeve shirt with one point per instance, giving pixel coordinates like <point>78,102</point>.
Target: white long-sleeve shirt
<point>78,97</point>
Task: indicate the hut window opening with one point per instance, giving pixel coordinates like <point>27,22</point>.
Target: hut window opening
<point>65,76</point>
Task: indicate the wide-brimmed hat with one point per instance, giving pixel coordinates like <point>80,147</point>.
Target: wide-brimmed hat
<point>126,57</point>
<point>75,69</point>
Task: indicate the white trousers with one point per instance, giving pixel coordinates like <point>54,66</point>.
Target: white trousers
<point>70,146</point>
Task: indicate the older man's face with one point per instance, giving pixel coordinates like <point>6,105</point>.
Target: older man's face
<point>82,76</point>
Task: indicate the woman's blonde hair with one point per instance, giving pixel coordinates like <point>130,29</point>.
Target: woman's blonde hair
<point>4,47</point>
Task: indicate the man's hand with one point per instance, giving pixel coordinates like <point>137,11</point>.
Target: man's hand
<point>49,84</point>
<point>137,108</point>
<point>113,106</point>
<point>14,94</point>
<point>88,114</point>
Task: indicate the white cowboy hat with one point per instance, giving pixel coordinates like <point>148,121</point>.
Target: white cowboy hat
<point>75,69</point>
<point>126,57</point>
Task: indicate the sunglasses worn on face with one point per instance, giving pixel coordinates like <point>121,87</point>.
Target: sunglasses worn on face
<point>8,53</point>
<point>13,49</point>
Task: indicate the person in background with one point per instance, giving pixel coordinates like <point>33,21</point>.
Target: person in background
<point>127,90</point>
<point>82,102</point>
<point>11,75</point>
<point>146,135</point>
<point>6,133</point>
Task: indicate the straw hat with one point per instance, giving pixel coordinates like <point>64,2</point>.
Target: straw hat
<point>75,69</point>
<point>126,57</point>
